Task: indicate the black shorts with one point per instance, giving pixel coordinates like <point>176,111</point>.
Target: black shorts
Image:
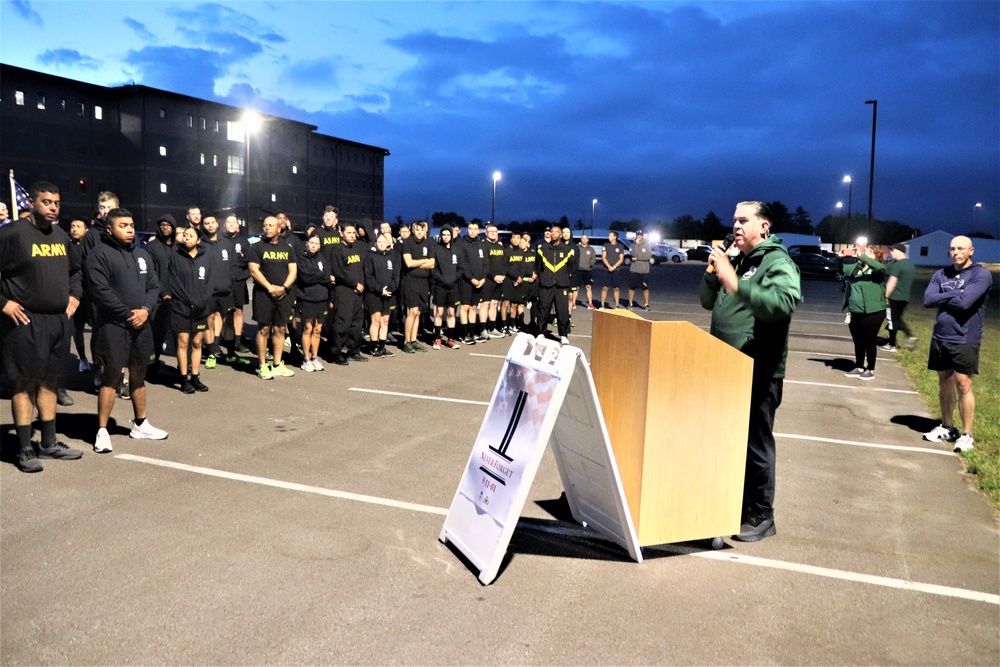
<point>241,296</point>
<point>120,347</point>
<point>312,310</point>
<point>224,304</point>
<point>584,277</point>
<point>617,278</point>
<point>416,293</point>
<point>959,357</point>
<point>638,280</point>
<point>469,295</point>
<point>182,323</point>
<point>376,303</point>
<point>268,311</point>
<point>446,295</point>
<point>492,291</point>
<point>38,350</point>
<point>82,316</point>
<point>513,292</point>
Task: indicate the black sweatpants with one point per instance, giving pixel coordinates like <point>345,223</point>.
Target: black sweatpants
<point>896,322</point>
<point>758,480</point>
<point>560,297</point>
<point>864,330</point>
<point>347,321</point>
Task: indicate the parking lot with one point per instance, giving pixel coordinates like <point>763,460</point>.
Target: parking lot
<point>295,521</point>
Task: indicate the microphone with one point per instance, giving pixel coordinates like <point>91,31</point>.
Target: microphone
<point>726,245</point>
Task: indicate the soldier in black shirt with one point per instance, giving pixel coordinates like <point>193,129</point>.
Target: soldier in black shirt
<point>381,284</point>
<point>312,281</point>
<point>445,285</point>
<point>473,267</point>
<point>349,274</point>
<point>40,290</point>
<point>273,268</point>
<point>555,263</point>
<point>189,290</point>
<point>493,289</point>
<point>232,330</point>
<point>418,262</point>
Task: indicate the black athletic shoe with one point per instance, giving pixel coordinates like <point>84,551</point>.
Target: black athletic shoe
<point>63,399</point>
<point>357,356</point>
<point>187,387</point>
<point>340,360</point>
<point>198,384</point>
<point>756,528</point>
<point>27,461</point>
<point>59,451</point>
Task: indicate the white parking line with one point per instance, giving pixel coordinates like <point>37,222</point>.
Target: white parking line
<point>723,556</point>
<point>848,386</point>
<point>491,356</point>
<point>426,398</point>
<point>854,443</point>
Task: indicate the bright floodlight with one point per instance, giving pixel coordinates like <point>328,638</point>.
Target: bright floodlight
<point>497,176</point>
<point>594,202</point>
<point>840,204</point>
<point>978,205</point>
<point>862,240</point>
<point>847,179</point>
<point>654,237</point>
<point>252,121</point>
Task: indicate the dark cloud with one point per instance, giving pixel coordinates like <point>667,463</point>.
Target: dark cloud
<point>27,12</point>
<point>209,22</point>
<point>59,58</point>
<point>190,71</point>
<point>320,73</point>
<point>139,29</point>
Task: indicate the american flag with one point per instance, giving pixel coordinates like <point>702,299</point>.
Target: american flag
<point>20,197</point>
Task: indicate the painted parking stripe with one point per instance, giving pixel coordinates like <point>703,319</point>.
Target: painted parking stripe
<point>723,556</point>
<point>851,386</point>
<point>426,398</point>
<point>491,356</point>
<point>854,443</point>
<point>290,486</point>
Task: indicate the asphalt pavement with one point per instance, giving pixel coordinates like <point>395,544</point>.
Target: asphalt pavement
<point>295,521</point>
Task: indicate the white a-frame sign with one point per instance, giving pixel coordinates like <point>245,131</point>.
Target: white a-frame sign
<point>545,394</point>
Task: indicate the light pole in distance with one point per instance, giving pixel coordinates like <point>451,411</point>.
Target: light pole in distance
<point>593,211</point>
<point>251,123</point>
<point>496,177</point>
<point>850,193</point>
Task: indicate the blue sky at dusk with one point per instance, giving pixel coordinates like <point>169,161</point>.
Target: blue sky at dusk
<point>657,109</point>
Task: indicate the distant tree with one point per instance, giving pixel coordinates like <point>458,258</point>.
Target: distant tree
<point>579,224</point>
<point>801,222</point>
<point>979,235</point>
<point>478,221</point>
<point>399,220</point>
<point>564,221</point>
<point>781,220</point>
<point>687,227</point>
<point>452,219</point>
<point>712,228</point>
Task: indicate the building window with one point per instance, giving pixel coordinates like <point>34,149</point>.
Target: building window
<point>235,165</point>
<point>216,126</point>
<point>274,197</point>
<point>215,160</point>
<point>41,102</point>
<point>98,113</point>
<point>190,121</point>
<point>923,251</point>
<point>19,98</point>
<point>295,169</point>
<point>163,151</point>
<point>234,131</point>
<point>203,123</point>
<point>163,187</point>
<point>62,104</point>
<point>163,112</point>
<point>202,158</point>
<point>81,110</point>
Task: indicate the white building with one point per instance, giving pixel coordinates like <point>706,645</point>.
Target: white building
<point>932,249</point>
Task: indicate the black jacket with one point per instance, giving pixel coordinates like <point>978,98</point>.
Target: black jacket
<point>313,277</point>
<point>381,270</point>
<point>120,279</point>
<point>473,260</point>
<point>225,267</point>
<point>189,283</point>
<point>446,264</point>
<point>555,264</point>
<point>240,245</point>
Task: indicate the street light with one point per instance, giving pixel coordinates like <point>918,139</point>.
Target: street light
<point>871,172</point>
<point>251,123</point>
<point>839,206</point>
<point>850,192</point>
<point>496,177</point>
<point>593,209</point>
<point>978,205</point>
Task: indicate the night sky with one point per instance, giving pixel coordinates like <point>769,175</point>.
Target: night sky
<point>656,109</point>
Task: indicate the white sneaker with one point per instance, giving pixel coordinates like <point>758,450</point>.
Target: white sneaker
<point>147,432</point>
<point>102,443</point>
<point>307,366</point>
<point>964,443</point>
<point>942,433</point>
<point>84,366</point>
<point>563,340</point>
<point>317,366</point>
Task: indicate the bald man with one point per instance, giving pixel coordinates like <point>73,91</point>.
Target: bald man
<point>959,292</point>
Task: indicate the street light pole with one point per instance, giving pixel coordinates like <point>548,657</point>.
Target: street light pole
<point>593,210</point>
<point>251,123</point>
<point>871,172</point>
<point>850,192</point>
<point>496,177</point>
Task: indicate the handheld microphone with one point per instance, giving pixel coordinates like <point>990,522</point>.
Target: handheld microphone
<point>726,245</point>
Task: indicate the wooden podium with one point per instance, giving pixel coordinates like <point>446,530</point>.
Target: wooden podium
<point>676,401</point>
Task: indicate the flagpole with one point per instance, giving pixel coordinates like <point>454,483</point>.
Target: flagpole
<point>13,198</point>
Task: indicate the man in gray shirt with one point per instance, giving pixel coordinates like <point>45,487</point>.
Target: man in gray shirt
<point>642,253</point>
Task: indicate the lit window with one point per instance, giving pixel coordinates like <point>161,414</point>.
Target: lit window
<point>190,120</point>
<point>274,197</point>
<point>202,121</point>
<point>98,113</point>
<point>234,131</point>
<point>235,165</point>
<point>163,151</point>
<point>295,169</point>
<point>19,98</point>
<point>81,110</point>
<point>163,113</point>
<point>62,104</point>
<point>216,126</point>
<point>163,187</point>
<point>203,158</point>
<point>215,160</point>
<point>41,102</point>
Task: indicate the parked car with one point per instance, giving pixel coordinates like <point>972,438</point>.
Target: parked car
<point>699,253</point>
<point>814,265</point>
<point>663,252</point>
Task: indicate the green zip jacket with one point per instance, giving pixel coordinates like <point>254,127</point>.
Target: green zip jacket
<point>755,319</point>
<point>866,293</point>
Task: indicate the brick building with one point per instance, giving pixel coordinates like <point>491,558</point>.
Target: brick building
<point>161,152</point>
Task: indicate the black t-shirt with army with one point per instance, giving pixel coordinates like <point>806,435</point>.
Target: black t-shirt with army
<point>36,268</point>
<point>273,258</point>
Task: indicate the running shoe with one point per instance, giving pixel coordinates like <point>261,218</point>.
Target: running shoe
<point>144,431</point>
<point>264,372</point>
<point>964,443</point>
<point>307,366</point>
<point>855,373</point>
<point>437,343</point>
<point>102,443</point>
<point>59,451</point>
<point>942,433</point>
<point>281,371</point>
<point>210,362</point>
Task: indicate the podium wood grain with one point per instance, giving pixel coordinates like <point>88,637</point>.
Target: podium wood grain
<point>676,401</point>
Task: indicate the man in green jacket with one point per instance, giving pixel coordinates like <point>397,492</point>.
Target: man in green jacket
<point>752,298</point>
